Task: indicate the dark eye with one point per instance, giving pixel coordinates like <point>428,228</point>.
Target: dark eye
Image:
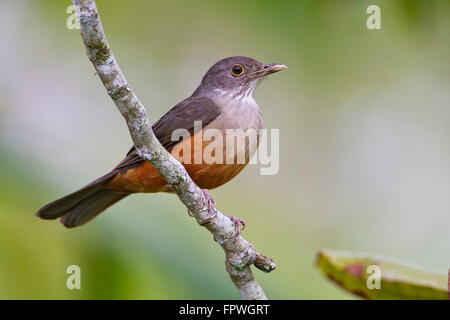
<point>237,70</point>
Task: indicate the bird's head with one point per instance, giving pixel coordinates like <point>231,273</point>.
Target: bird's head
<point>237,75</point>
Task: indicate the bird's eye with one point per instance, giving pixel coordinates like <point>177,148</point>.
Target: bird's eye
<point>237,70</point>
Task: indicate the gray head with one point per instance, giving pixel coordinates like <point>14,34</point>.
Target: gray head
<point>237,75</point>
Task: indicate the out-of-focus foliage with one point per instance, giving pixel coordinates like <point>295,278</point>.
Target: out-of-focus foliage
<point>376,277</point>
<point>364,153</point>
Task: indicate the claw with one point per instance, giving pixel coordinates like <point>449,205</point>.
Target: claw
<point>210,200</point>
<point>211,203</point>
<point>238,223</point>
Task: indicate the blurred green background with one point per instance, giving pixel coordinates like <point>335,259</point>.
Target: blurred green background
<point>364,158</point>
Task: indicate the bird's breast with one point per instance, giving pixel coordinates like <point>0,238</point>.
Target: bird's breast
<point>213,156</point>
<point>238,112</point>
<point>240,122</point>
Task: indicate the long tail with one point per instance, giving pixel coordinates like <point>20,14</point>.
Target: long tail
<point>83,205</point>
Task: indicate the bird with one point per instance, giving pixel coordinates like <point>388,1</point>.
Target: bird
<point>223,101</point>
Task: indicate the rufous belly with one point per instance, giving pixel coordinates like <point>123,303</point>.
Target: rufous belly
<point>206,174</point>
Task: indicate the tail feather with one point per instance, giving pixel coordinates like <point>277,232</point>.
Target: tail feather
<point>60,207</point>
<point>83,205</point>
<point>90,207</point>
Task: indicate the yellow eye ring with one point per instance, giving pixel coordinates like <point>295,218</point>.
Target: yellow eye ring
<point>237,70</point>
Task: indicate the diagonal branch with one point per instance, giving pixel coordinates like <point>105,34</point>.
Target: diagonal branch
<point>240,253</point>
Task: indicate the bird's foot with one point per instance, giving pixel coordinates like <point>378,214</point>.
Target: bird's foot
<point>238,223</point>
<point>210,201</point>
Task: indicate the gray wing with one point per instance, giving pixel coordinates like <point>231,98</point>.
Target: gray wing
<point>182,116</point>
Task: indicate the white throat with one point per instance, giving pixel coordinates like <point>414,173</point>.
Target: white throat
<point>245,97</point>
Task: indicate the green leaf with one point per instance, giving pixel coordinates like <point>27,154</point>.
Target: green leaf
<point>353,272</point>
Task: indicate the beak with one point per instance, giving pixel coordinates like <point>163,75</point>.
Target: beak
<point>268,69</point>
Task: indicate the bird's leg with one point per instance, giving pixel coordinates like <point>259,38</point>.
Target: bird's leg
<point>210,200</point>
<point>238,223</point>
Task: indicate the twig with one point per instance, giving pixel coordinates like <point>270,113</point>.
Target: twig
<point>240,253</point>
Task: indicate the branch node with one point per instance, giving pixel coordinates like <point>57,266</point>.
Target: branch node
<point>264,263</point>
